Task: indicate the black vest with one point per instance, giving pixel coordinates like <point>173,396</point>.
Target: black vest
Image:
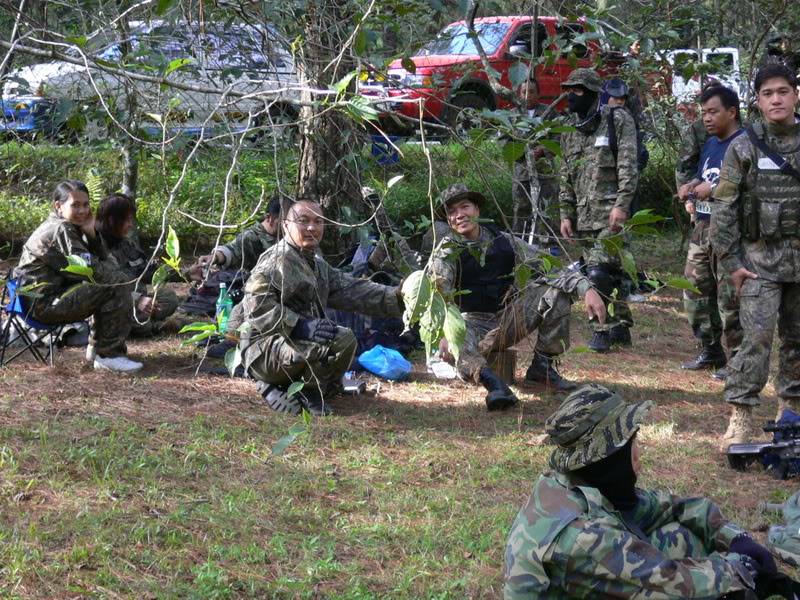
<point>487,284</point>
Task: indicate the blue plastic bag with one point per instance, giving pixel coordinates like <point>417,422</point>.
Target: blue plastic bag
<point>385,362</point>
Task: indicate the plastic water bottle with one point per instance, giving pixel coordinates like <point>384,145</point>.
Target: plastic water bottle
<point>224,308</point>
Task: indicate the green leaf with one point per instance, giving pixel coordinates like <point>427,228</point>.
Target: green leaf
<point>518,74</point>
<point>431,322</point>
<point>78,266</point>
<point>160,275</point>
<point>644,217</point>
<point>197,338</point>
<point>78,40</point>
<point>176,64</point>
<point>416,296</point>
<point>295,388</point>
<point>522,275</point>
<point>341,85</point>
<point>394,180</point>
<point>681,283</point>
<point>163,6</point>
<point>551,145</point>
<point>198,326</point>
<point>283,443</point>
<point>513,151</point>
<point>360,43</point>
<point>173,245</point>
<point>628,264</point>
<point>361,109</point>
<point>455,330</point>
<point>233,358</point>
<point>408,64</point>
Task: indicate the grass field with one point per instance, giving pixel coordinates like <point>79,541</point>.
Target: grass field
<point>164,485</point>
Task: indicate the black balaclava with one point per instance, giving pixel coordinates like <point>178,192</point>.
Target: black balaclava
<point>581,105</point>
<point>614,477</point>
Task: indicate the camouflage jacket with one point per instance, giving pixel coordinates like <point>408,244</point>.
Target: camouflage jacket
<point>693,136</point>
<point>244,251</point>
<point>568,541</point>
<point>753,192</point>
<point>287,284</point>
<point>45,253</point>
<point>444,265</point>
<point>592,180</point>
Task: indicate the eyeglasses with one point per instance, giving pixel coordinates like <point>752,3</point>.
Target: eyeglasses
<point>304,222</point>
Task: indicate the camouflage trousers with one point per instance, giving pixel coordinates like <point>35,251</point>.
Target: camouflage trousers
<point>149,325</point>
<point>763,304</point>
<point>546,225</point>
<point>109,309</point>
<point>715,310</point>
<point>281,361</point>
<point>537,307</point>
<point>596,254</point>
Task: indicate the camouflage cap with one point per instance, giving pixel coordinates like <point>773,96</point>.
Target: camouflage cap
<point>587,78</point>
<point>590,424</point>
<point>459,191</point>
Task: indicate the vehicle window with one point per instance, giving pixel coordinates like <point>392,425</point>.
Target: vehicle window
<point>454,39</point>
<point>568,32</point>
<point>685,63</point>
<point>722,62</point>
<point>523,38</point>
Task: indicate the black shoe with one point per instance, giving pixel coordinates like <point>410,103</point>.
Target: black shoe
<point>543,370</point>
<point>277,398</point>
<point>710,357</point>
<point>220,350</point>
<point>620,335</point>
<point>500,396</point>
<point>311,400</point>
<point>720,374</point>
<point>600,342</point>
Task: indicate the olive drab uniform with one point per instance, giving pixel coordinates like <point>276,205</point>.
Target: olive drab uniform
<point>497,314</point>
<point>756,225</point>
<point>67,297</point>
<point>288,284</point>
<point>593,181</point>
<point>135,263</point>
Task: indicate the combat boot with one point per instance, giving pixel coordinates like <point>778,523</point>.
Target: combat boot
<point>312,401</point>
<point>710,357</point>
<point>740,427</point>
<point>620,335</point>
<point>500,396</point>
<point>600,342</point>
<point>543,370</point>
<point>277,398</point>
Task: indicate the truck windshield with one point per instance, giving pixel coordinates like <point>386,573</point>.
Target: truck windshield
<point>455,40</point>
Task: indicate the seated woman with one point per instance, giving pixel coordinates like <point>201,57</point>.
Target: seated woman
<point>115,218</point>
<point>65,297</point>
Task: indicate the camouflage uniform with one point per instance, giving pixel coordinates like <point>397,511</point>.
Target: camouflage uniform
<point>133,262</point>
<point>756,225</point>
<point>288,284</point>
<point>692,137</point>
<point>543,304</point>
<point>66,297</point>
<point>593,182</point>
<point>243,253</point>
<point>568,541</point>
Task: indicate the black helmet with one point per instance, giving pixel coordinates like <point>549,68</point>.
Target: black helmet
<point>615,88</point>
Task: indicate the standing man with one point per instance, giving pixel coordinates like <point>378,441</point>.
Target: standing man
<point>598,181</point>
<point>482,261</point>
<point>755,229</point>
<point>715,310</point>
<point>286,336</point>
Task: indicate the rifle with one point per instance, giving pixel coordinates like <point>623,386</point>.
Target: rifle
<point>781,456</point>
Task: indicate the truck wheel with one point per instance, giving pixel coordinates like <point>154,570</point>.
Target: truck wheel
<point>461,112</point>
<point>280,128</point>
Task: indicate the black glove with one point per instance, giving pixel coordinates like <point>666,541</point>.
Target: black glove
<point>320,331</point>
<point>747,546</point>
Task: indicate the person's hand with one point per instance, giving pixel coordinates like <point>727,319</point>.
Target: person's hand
<point>321,331</point>
<point>746,546</point>
<point>703,190</point>
<point>739,276</point>
<point>566,228</point>
<point>208,259</point>
<point>595,308</point>
<point>685,190</point>
<point>146,305</point>
<point>88,226</point>
<point>196,272</point>
<point>444,351</point>
<point>617,218</point>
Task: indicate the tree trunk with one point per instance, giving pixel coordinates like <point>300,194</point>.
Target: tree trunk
<point>328,170</point>
<point>130,148</point>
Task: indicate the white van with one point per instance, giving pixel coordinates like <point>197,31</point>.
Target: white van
<point>55,97</point>
<point>724,67</point>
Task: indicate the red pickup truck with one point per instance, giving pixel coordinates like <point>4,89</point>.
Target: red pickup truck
<point>448,75</point>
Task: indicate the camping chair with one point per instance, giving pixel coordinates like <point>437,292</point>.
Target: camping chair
<point>29,332</point>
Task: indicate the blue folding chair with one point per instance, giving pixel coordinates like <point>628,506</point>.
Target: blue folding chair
<point>29,332</point>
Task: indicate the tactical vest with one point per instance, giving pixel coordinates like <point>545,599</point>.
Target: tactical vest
<point>487,284</point>
<point>771,208</point>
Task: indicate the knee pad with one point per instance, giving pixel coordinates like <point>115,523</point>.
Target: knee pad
<point>601,279</point>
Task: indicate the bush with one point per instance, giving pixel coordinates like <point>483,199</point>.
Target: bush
<point>657,181</point>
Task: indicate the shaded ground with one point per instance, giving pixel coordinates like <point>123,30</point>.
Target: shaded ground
<point>163,485</point>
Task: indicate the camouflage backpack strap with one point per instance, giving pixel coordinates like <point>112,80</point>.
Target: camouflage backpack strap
<point>612,131</point>
<point>784,166</point>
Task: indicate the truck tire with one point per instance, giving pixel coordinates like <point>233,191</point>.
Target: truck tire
<point>458,117</point>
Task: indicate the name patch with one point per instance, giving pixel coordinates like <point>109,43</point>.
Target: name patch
<point>600,141</point>
<point>765,162</point>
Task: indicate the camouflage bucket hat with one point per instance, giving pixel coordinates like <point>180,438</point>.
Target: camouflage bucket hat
<point>587,78</point>
<point>458,191</point>
<point>590,424</point>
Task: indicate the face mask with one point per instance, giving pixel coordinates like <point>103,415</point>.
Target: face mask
<point>581,104</point>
